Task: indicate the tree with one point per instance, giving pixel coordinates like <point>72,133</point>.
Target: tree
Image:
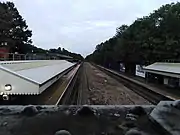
<point>66,52</point>
<point>5,23</point>
<point>16,32</point>
<point>120,30</point>
<point>148,39</point>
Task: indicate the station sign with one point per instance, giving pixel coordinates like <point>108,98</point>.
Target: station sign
<point>140,71</point>
<point>122,67</point>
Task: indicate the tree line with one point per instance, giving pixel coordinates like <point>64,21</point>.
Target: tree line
<point>15,34</point>
<point>63,51</point>
<point>149,39</point>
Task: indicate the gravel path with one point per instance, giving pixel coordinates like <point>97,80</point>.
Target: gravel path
<point>104,90</point>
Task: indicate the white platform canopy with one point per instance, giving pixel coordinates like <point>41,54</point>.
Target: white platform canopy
<point>30,77</point>
<point>166,69</point>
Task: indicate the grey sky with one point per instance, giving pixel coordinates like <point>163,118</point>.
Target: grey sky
<point>79,25</point>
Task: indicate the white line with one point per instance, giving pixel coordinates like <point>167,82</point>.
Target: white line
<point>67,85</point>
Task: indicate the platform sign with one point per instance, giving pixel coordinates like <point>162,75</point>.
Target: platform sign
<point>139,71</point>
<point>122,67</point>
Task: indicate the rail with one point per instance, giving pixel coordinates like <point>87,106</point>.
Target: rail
<point>67,97</point>
<point>51,95</point>
<point>145,92</point>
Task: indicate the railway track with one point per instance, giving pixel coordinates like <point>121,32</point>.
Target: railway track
<point>69,95</point>
<point>98,88</point>
<point>61,92</point>
<point>145,92</point>
<point>83,86</point>
<point>73,85</point>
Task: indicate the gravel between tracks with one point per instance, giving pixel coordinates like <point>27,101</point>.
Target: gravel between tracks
<point>104,90</point>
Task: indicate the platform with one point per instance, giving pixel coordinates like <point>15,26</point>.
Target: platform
<point>166,69</point>
<point>169,95</point>
<point>30,77</point>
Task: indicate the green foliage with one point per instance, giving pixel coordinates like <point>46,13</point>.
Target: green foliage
<point>67,53</point>
<point>13,28</point>
<point>74,55</point>
<point>149,39</point>
<point>15,33</point>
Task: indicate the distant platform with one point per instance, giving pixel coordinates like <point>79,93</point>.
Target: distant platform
<point>166,69</point>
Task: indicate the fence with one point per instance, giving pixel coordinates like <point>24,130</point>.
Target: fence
<point>14,56</point>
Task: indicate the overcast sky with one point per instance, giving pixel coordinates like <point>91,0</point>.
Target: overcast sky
<point>79,25</point>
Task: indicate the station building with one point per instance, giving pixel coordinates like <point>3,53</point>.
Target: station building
<point>164,73</point>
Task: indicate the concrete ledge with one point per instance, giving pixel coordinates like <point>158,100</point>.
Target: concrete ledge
<point>78,120</point>
<point>167,117</point>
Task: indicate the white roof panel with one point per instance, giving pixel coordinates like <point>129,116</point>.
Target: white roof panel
<point>164,67</point>
<point>21,65</point>
<point>42,74</point>
<point>38,70</point>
